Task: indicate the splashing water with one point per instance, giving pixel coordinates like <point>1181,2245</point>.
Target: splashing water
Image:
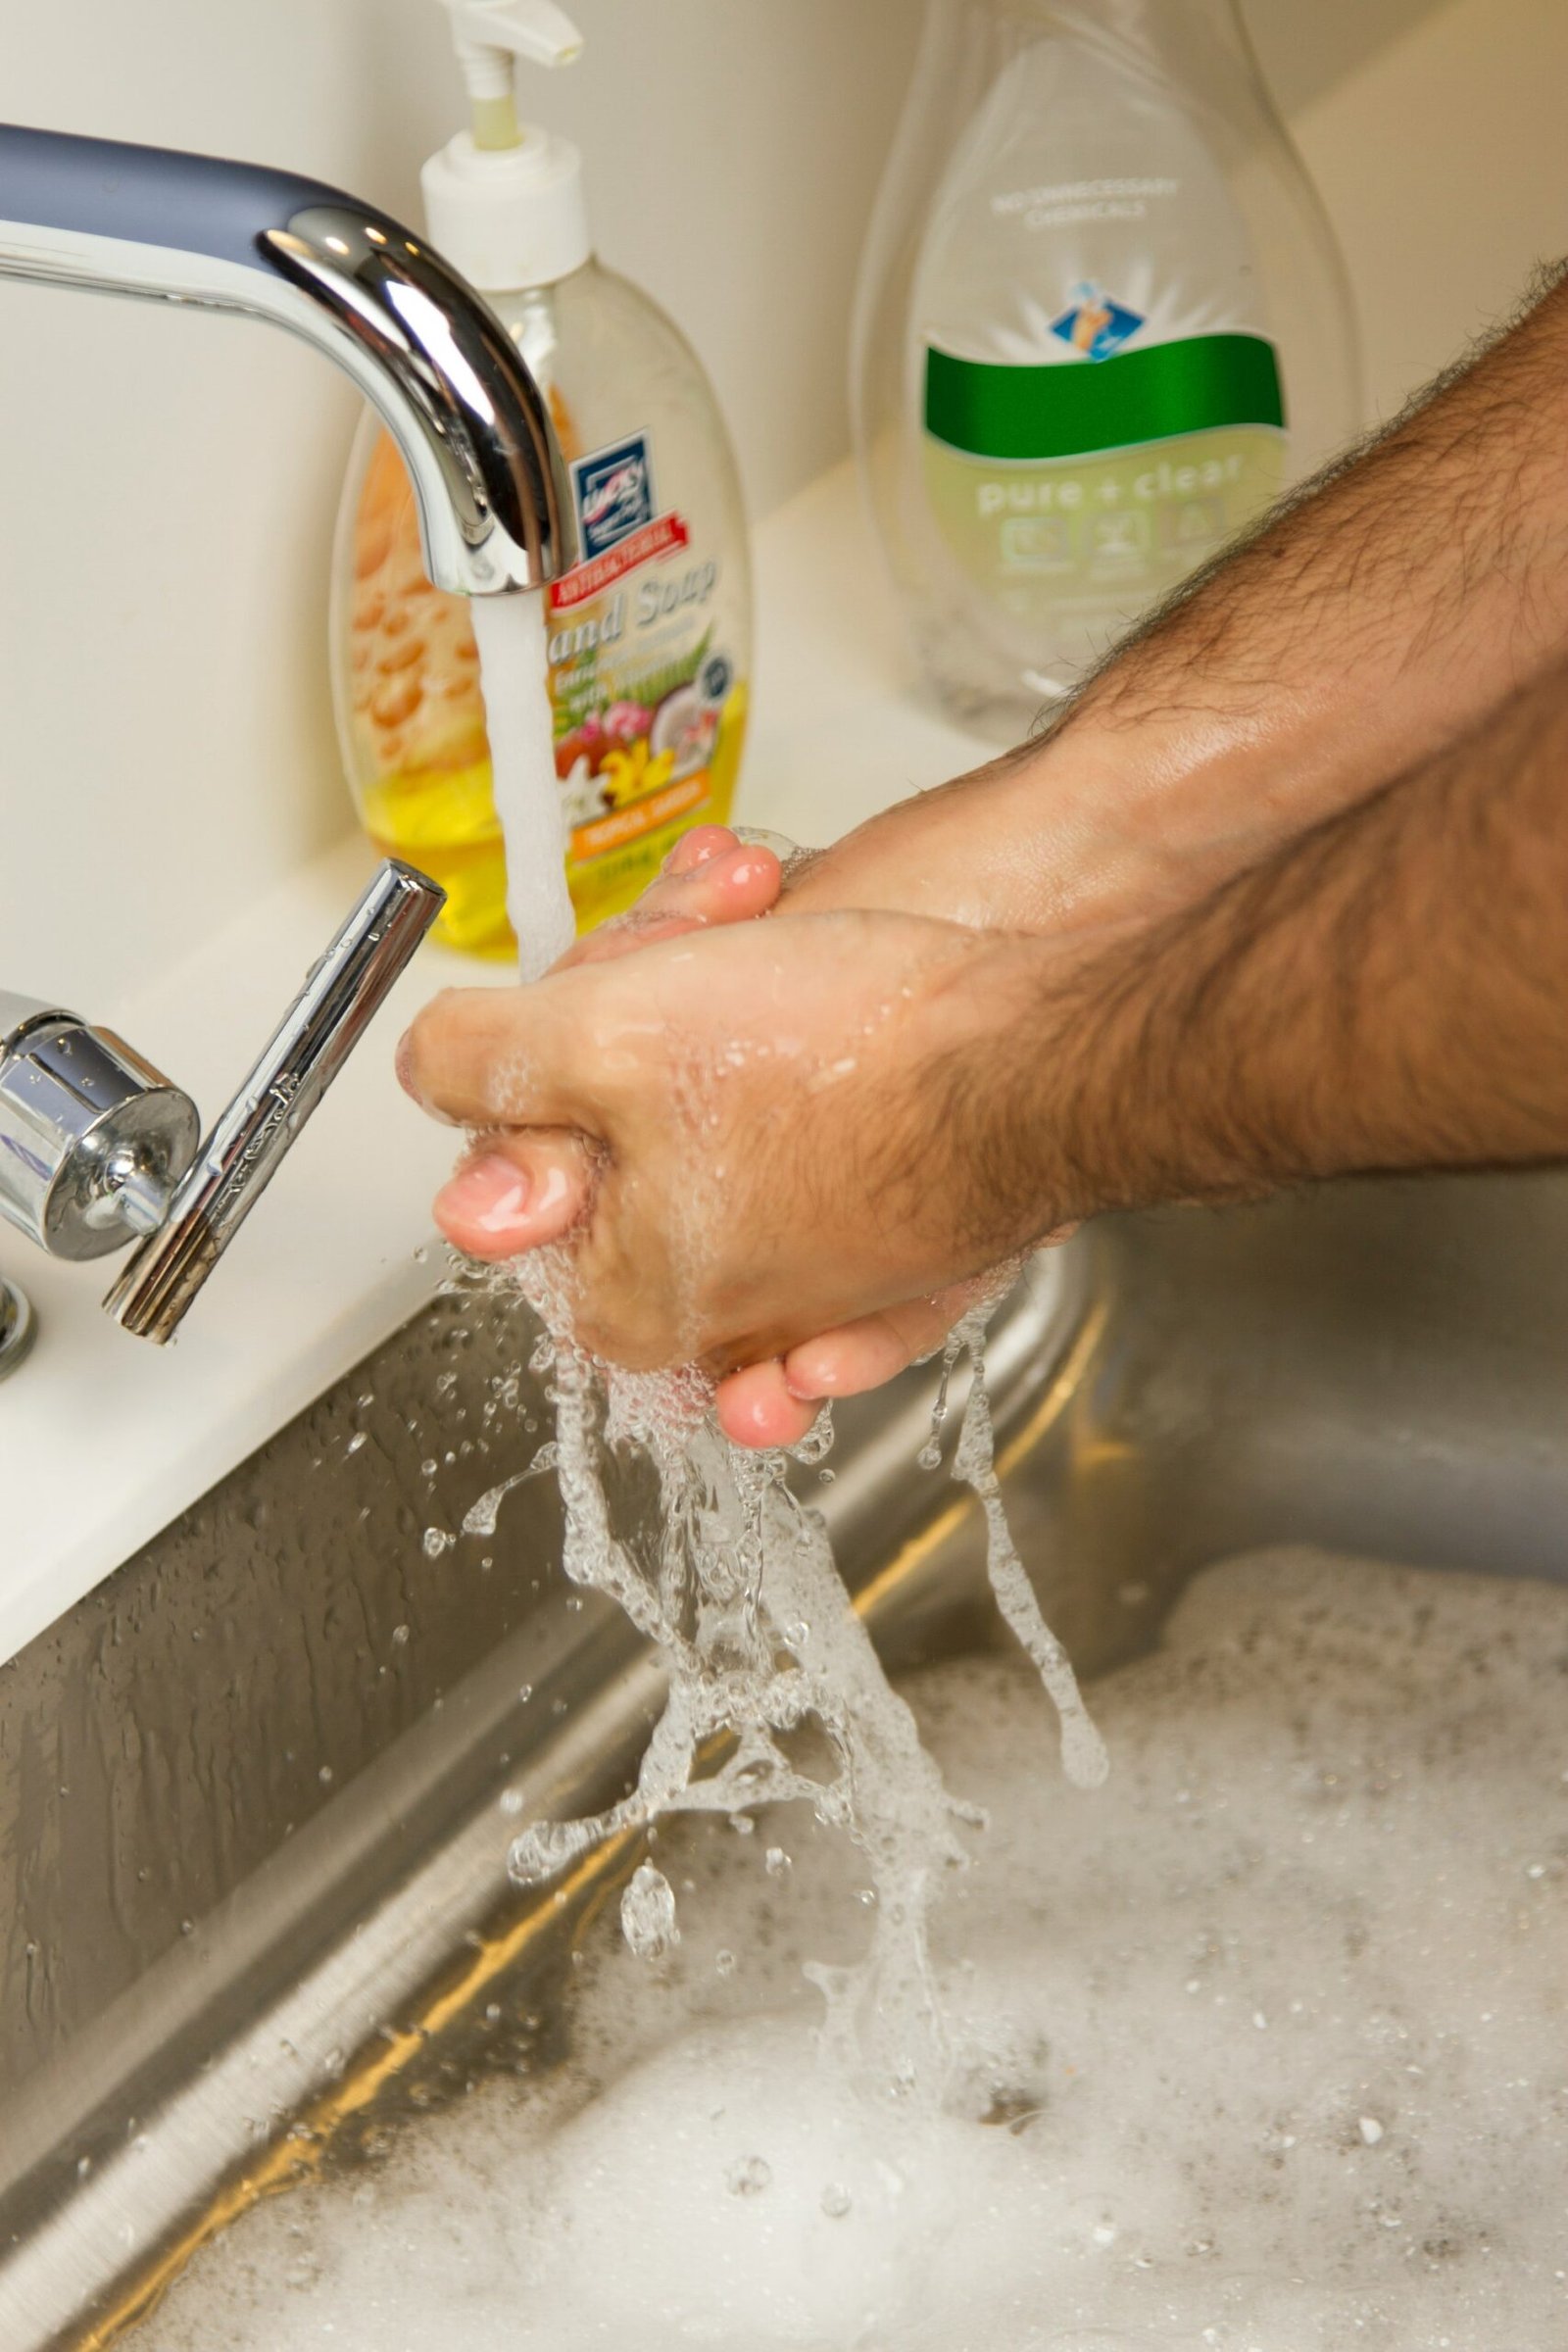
<point>648,1914</point>
<point>775,1691</point>
<point>1083,1751</point>
<point>510,632</point>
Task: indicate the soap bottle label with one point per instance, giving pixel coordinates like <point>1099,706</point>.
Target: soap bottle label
<point>650,710</point>
<point>647,691</point>
<point>1096,397</point>
<point>1118,472</point>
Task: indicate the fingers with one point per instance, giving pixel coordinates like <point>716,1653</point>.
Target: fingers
<point>697,848</point>
<point>754,1408</point>
<point>874,1349</point>
<point>493,1056</point>
<point>776,1403</point>
<point>482,1057</point>
<point>516,1193</point>
<point>708,877</point>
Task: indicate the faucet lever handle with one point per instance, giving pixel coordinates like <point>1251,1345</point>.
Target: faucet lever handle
<point>241,1155</point>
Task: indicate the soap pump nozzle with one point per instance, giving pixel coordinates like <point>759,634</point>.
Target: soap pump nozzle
<point>503,200</point>
<point>489,36</point>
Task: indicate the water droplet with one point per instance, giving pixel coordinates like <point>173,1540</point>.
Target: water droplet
<point>724,1961</point>
<point>776,1862</point>
<point>648,1913</point>
<point>835,2200</point>
<point>400,1634</point>
<point>749,2177</point>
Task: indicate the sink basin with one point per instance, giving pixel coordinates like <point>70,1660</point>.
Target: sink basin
<point>253,1890</point>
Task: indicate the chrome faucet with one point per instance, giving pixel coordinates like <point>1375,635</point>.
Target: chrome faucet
<point>96,1148</point>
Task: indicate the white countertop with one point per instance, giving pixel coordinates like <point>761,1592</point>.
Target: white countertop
<point>103,1438</point>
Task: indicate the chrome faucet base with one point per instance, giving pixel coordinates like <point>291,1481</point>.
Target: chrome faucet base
<point>93,1139</point>
<point>18,1326</point>
<point>97,1148</point>
<point>342,991</point>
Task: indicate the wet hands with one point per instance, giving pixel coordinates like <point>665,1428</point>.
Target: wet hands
<point>785,1136</point>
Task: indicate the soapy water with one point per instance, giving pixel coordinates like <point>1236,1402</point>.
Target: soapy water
<point>775,1693</point>
<point>509,633</point>
<point>1264,2046</point>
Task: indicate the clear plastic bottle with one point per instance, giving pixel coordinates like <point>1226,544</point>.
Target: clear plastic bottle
<point>649,636</point>
<point>1101,322</point>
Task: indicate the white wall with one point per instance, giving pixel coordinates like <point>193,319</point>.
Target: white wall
<point>167,482</point>
<point>1441,156</point>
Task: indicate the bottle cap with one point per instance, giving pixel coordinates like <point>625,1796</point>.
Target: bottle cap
<point>504,201</point>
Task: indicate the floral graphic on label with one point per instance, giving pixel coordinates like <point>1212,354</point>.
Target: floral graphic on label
<point>1095,325</point>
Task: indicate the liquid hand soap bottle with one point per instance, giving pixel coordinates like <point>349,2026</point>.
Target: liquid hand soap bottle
<point>649,635</point>
<point>1102,324</point>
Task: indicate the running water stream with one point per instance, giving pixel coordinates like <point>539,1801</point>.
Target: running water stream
<point>510,632</point>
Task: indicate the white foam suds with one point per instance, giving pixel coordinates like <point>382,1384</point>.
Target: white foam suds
<point>1260,2050</point>
<point>510,632</point>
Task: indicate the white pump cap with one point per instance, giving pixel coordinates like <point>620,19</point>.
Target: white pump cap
<point>509,212</point>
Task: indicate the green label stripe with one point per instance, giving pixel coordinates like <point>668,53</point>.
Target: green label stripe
<point>991,408</point>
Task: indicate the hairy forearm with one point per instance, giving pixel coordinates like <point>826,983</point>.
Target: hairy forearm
<point>1362,627</point>
<point>1383,608</point>
<point>1389,992</point>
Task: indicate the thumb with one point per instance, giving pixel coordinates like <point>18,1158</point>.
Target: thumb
<point>516,1192</point>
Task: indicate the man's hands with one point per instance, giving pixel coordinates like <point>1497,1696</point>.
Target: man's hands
<point>798,1125</point>
<point>793,1127</point>
<point>1231,957</point>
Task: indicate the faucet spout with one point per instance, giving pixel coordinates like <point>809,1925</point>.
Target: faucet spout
<point>451,387</point>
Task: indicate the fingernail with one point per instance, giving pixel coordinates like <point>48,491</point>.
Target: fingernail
<point>403,1063</point>
<point>490,1192</point>
<point>733,867</point>
<point>696,848</point>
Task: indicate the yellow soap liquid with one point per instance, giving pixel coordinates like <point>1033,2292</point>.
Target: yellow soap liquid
<point>636,771</point>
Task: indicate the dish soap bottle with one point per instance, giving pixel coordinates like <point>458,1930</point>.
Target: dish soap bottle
<point>1102,324</point>
<point>649,634</point>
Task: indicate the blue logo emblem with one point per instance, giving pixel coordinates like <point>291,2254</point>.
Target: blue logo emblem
<point>1095,325</point>
<point>615,494</point>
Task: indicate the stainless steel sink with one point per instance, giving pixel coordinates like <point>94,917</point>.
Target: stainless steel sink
<point>253,1895</point>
